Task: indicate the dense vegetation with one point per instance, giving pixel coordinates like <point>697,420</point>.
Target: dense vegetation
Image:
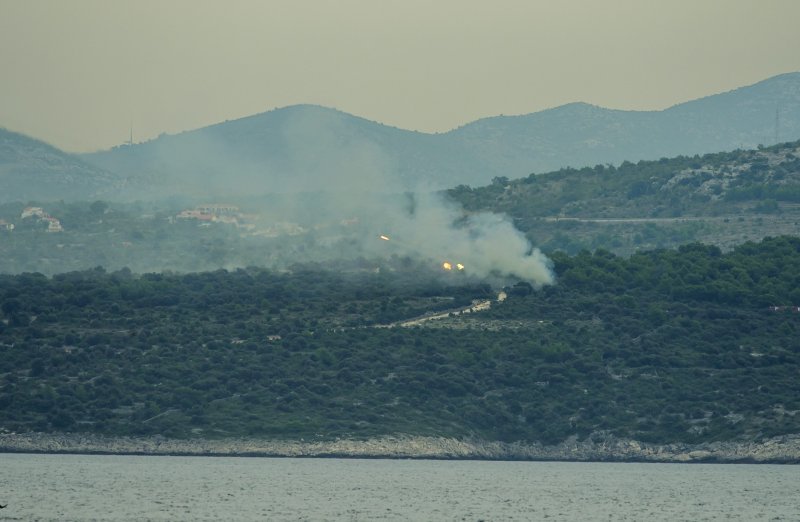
<point>685,185</point>
<point>724,199</point>
<point>667,345</point>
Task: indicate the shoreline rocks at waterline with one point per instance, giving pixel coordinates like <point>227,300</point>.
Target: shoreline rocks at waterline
<point>783,449</point>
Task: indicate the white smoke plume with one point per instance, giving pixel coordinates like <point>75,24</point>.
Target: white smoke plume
<point>316,168</point>
<point>426,225</point>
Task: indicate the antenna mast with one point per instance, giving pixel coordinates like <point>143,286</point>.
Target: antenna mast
<point>777,124</point>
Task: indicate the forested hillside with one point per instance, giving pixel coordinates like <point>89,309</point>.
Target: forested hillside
<point>723,199</point>
<point>669,345</point>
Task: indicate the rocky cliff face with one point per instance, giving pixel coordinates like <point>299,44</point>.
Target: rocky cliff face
<point>785,449</point>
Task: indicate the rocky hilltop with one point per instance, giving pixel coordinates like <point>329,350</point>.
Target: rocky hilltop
<point>599,447</point>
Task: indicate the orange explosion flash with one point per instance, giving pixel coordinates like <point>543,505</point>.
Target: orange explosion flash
<point>385,238</point>
<point>447,266</point>
<point>459,266</point>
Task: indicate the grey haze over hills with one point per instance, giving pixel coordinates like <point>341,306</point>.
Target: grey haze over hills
<point>33,170</point>
<point>307,147</point>
<point>311,148</point>
<point>292,149</point>
<point>579,134</point>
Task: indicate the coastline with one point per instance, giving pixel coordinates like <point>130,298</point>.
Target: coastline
<point>777,450</point>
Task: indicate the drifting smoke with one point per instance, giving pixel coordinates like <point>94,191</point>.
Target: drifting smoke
<point>484,244</point>
<point>362,184</point>
<point>303,170</point>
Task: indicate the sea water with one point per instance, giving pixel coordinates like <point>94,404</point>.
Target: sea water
<point>115,488</point>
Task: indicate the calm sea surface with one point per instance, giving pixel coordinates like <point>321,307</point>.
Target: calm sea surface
<point>73,487</point>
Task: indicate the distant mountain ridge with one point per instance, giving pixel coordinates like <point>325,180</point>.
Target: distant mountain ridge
<point>306,148</point>
<point>579,134</point>
<point>33,170</point>
<point>296,148</point>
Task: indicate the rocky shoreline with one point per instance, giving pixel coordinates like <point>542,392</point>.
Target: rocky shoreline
<point>784,449</point>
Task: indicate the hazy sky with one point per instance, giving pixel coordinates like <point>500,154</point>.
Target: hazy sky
<point>78,73</point>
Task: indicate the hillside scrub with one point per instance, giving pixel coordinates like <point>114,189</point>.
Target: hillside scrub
<point>725,199</point>
<point>688,345</point>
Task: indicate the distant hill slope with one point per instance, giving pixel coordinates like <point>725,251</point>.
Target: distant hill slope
<point>578,134</point>
<point>297,148</point>
<point>33,170</point>
<point>682,186</point>
<point>723,199</point>
<point>308,147</point>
